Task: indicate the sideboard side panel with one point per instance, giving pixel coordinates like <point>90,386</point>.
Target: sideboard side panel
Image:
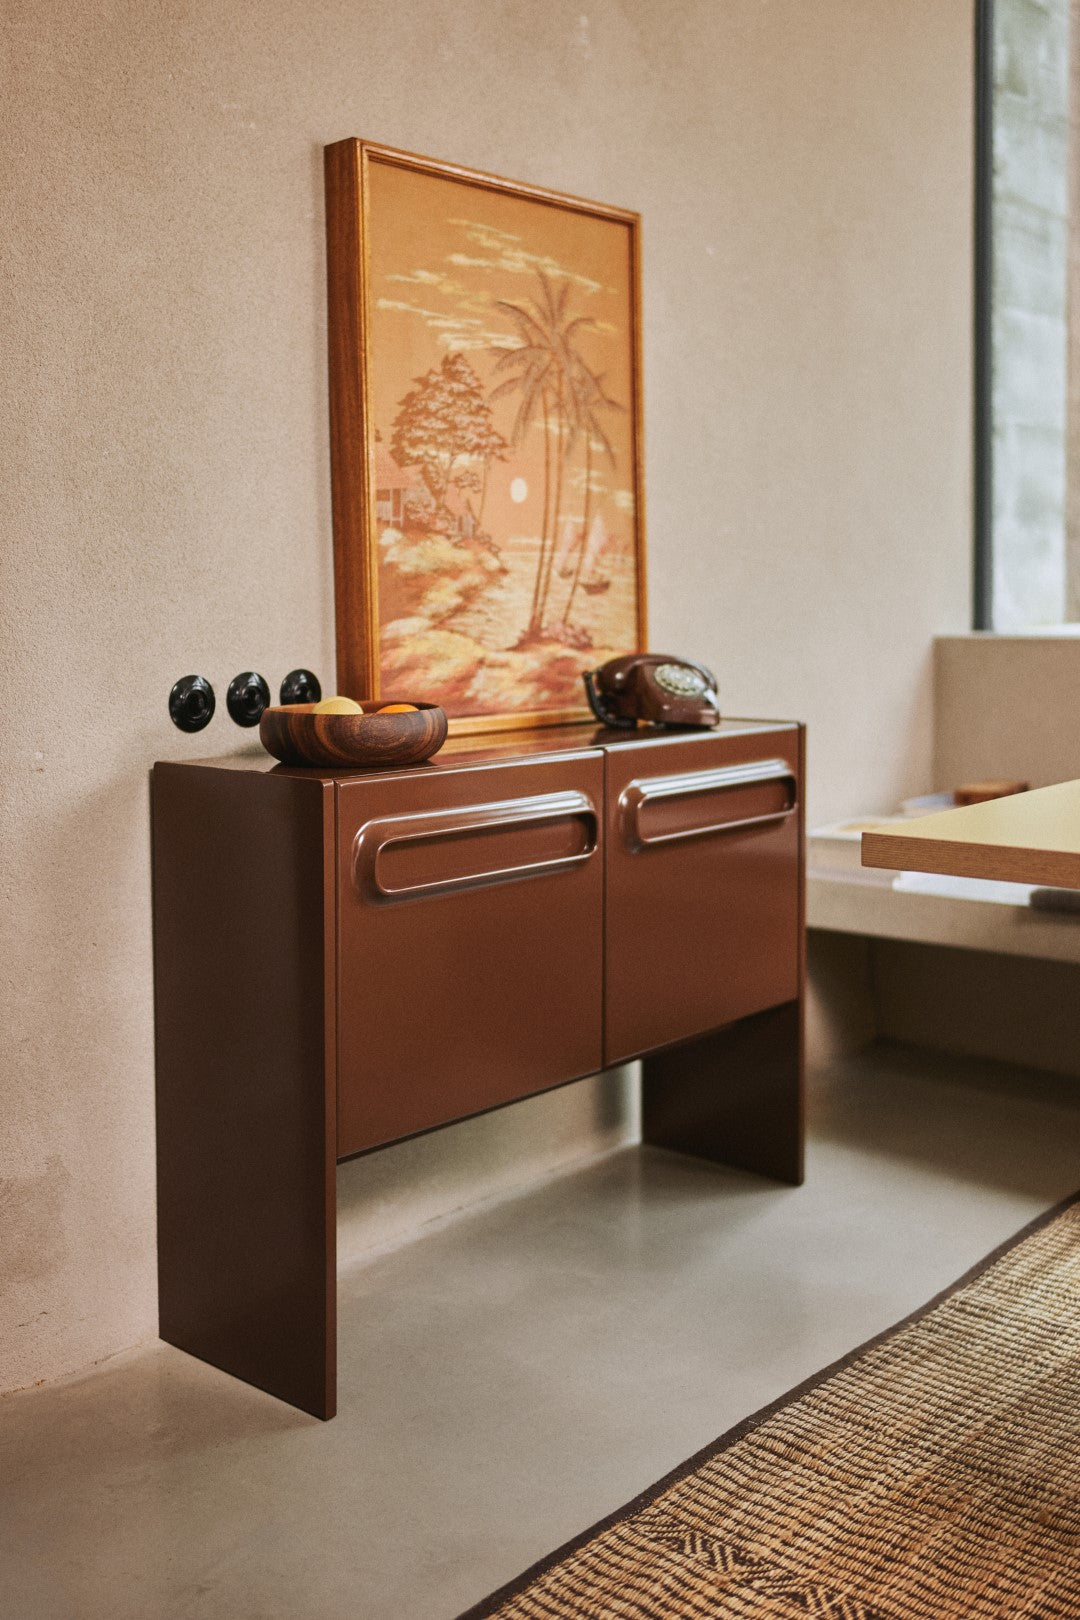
<point>246,1141</point>
<point>736,1095</point>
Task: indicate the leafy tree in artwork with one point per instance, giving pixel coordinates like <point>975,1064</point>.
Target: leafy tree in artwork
<point>419,509</point>
<point>444,426</point>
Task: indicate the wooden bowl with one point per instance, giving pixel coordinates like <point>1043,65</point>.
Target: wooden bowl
<point>297,736</point>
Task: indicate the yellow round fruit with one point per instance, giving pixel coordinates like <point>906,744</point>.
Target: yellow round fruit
<point>399,708</point>
<point>337,705</point>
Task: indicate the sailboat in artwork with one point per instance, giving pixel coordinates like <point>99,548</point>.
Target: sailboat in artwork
<point>588,575</point>
<point>593,581</point>
<point>569,541</point>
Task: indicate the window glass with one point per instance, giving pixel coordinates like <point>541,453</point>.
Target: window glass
<point>1034,371</point>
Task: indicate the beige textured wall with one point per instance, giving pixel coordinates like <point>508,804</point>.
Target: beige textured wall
<point>803,167</point>
<point>989,690</point>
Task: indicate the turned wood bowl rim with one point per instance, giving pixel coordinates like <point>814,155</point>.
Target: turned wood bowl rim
<point>306,711</point>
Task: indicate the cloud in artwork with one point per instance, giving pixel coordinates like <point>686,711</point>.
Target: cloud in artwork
<point>452,329</point>
<point>410,309</point>
<point>465,299</point>
<point>423,278</point>
<point>435,279</point>
<point>488,236</point>
<point>472,340</point>
<point>597,483</point>
<point>452,323</point>
<point>508,256</point>
<point>440,320</point>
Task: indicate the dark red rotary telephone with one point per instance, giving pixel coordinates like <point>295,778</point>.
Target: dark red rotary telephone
<point>655,688</point>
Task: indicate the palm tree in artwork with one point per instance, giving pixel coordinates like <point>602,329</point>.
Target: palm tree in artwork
<point>590,399</point>
<point>544,368</point>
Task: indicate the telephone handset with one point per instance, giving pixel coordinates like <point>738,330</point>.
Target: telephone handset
<point>653,687</point>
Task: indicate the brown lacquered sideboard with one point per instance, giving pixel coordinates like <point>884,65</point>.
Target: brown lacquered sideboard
<point>346,958</point>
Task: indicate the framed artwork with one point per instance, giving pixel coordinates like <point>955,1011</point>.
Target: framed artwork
<point>486,437</point>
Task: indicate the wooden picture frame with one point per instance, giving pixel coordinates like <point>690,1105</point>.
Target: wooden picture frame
<point>486,437</point>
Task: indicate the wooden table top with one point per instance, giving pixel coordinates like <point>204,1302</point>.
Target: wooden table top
<point>1027,838</point>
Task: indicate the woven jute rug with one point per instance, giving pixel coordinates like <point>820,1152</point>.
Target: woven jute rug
<point>932,1474</point>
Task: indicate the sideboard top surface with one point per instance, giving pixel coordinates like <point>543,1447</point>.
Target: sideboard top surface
<point>499,748</point>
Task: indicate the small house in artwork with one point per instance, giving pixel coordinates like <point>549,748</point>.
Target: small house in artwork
<point>392,485</point>
<point>395,484</point>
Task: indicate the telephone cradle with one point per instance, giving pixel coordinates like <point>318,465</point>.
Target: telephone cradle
<point>654,688</point>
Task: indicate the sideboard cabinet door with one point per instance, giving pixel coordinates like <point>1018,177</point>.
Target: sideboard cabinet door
<point>703,884</point>
<point>469,940</point>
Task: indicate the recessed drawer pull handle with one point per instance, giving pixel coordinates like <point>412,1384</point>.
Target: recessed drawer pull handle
<point>722,779</point>
<point>395,832</point>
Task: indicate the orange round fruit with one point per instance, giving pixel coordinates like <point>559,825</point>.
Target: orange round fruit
<point>399,708</point>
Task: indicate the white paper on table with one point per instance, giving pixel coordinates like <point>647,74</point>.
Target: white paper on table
<point>964,888</point>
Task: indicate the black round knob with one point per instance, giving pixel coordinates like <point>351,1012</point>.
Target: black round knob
<point>191,703</point>
<point>300,686</point>
<point>247,697</point>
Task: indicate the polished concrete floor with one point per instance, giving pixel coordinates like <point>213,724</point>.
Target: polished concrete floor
<point>519,1373</point>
